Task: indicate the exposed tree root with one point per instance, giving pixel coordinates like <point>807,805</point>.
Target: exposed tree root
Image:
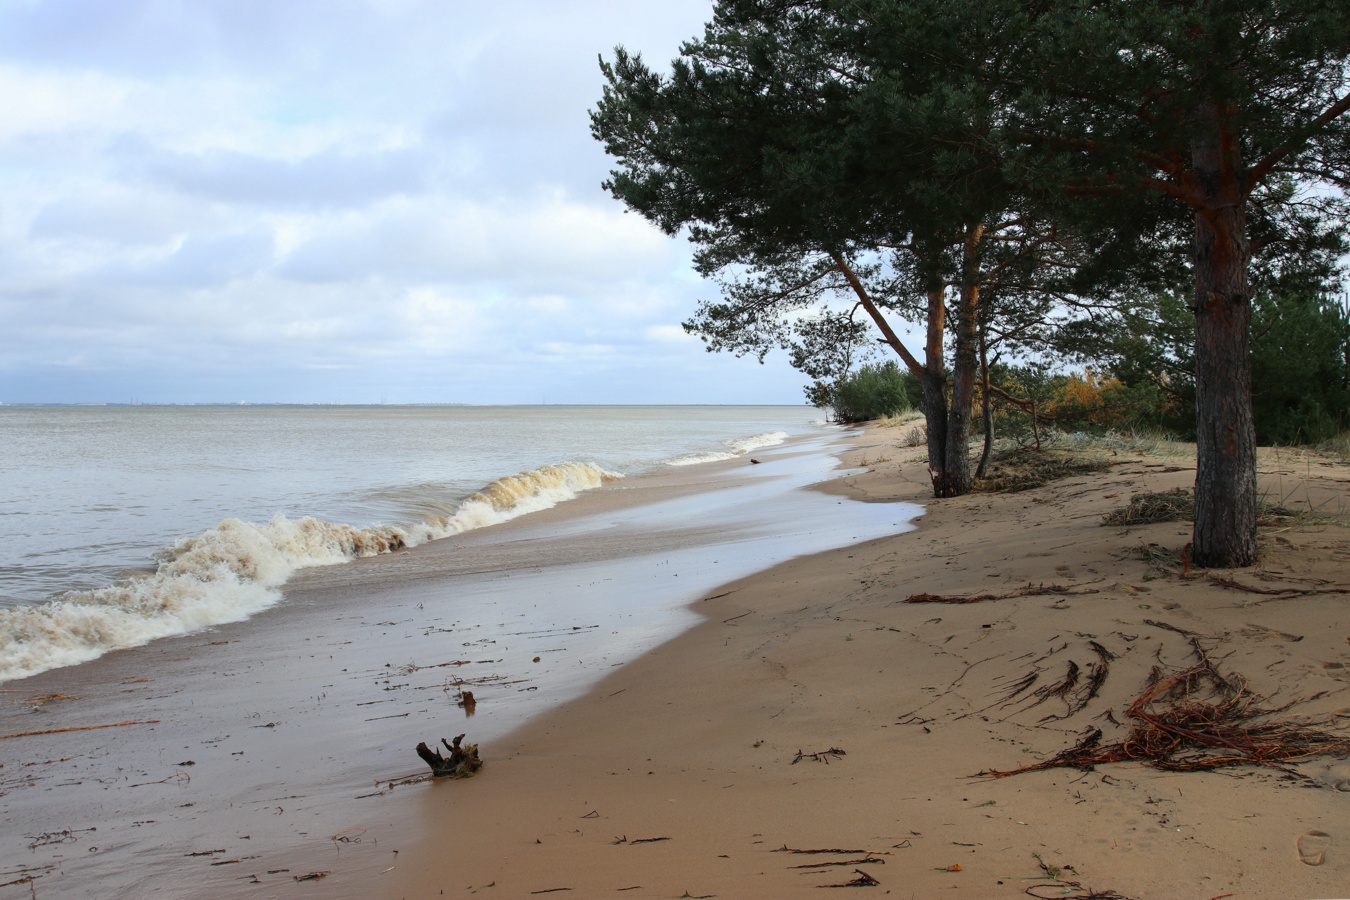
<point>1194,720</point>
<point>462,762</point>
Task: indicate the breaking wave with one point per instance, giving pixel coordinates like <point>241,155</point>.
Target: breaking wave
<point>236,569</point>
<point>735,448</point>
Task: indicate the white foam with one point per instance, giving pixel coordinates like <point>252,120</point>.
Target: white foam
<point>735,448</point>
<point>236,570</point>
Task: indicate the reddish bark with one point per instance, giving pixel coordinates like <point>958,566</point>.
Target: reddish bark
<point>1225,480</point>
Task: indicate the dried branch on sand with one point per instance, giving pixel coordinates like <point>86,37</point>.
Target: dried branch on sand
<point>822,756</point>
<point>1197,719</point>
<point>462,762</point>
<point>1031,590</point>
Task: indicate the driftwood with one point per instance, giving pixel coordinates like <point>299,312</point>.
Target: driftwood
<point>822,756</point>
<point>1031,590</point>
<point>462,762</point>
<point>4,737</point>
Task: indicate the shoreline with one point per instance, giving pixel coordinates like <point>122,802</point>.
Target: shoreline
<point>237,759</point>
<point>691,769</point>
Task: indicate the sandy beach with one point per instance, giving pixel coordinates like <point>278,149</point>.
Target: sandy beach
<point>260,757</point>
<point>818,729</point>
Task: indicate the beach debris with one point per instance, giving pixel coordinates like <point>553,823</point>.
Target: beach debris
<point>1176,505</point>
<point>349,836</point>
<point>1024,468</point>
<point>462,762</point>
<point>1076,692</point>
<point>19,734</point>
<point>865,861</point>
<point>175,778</point>
<point>28,879</point>
<point>862,880</point>
<point>312,876</point>
<point>1061,890</point>
<point>1197,719</point>
<point>624,840</point>
<point>56,837</point>
<point>786,849</point>
<point>822,756</point>
<point>1031,590</point>
<point>467,702</point>
<point>1232,585</point>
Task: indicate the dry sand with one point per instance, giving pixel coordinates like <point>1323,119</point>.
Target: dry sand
<point>816,710</point>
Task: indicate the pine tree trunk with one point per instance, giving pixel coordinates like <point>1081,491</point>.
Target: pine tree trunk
<point>986,408</point>
<point>965,362</point>
<point>935,419</point>
<point>935,391</point>
<point>1225,476</point>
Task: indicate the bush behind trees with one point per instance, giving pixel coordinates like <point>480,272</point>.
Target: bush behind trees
<point>1300,362</point>
<point>875,390</point>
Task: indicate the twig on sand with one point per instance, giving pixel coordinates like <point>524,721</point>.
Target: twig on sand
<point>865,861</point>
<point>863,880</point>
<point>1275,592</point>
<point>1031,590</point>
<point>624,840</point>
<point>786,849</point>
<point>822,756</point>
<point>1059,891</point>
<point>18,734</point>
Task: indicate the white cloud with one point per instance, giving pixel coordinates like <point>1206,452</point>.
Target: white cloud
<point>327,199</point>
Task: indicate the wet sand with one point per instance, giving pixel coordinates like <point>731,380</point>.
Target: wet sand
<point>818,730</point>
<point>243,760</point>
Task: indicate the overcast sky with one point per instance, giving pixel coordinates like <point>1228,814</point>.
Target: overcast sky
<point>336,201</point>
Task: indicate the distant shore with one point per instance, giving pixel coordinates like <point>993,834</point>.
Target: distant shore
<point>818,730</point>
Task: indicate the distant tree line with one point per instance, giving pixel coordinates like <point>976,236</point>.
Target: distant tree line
<point>1012,175</point>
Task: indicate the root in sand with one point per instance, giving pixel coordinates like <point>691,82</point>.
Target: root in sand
<point>1194,720</point>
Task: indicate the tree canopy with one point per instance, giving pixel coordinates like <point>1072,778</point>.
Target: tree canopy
<point>894,152</point>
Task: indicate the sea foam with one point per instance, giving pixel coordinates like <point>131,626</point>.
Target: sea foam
<point>735,448</point>
<point>236,569</point>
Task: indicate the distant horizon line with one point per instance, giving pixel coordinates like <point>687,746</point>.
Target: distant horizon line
<point>223,403</point>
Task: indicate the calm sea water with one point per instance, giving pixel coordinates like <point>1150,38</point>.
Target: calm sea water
<point>124,524</point>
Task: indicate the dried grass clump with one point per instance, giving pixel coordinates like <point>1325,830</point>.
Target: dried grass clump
<point>1176,505</point>
<point>1337,448</point>
<point>895,420</point>
<point>1022,469</point>
<point>1159,558</point>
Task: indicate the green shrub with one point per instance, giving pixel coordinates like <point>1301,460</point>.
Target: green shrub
<point>873,391</point>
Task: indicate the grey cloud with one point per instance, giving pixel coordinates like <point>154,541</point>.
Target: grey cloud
<point>329,179</point>
<point>116,215</point>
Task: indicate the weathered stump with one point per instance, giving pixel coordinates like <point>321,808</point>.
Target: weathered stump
<point>462,762</point>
